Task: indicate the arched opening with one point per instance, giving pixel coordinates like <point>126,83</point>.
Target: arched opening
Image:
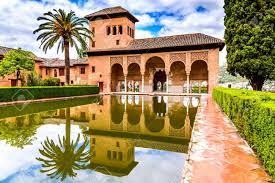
<point>177,77</point>
<point>199,73</point>
<point>134,78</point>
<point>155,76</point>
<point>117,78</point>
<point>159,81</point>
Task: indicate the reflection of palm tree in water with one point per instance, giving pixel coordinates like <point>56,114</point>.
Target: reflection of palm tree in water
<point>63,159</point>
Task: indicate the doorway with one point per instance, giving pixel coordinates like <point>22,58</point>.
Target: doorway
<point>160,81</point>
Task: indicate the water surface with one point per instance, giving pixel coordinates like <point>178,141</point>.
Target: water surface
<point>98,139</point>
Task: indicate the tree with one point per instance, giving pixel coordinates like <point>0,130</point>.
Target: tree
<point>62,159</point>
<point>250,40</point>
<point>16,61</point>
<point>66,30</point>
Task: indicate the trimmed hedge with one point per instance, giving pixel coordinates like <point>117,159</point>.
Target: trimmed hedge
<point>39,92</point>
<point>253,113</point>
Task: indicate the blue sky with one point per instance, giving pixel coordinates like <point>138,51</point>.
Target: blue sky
<point>157,18</point>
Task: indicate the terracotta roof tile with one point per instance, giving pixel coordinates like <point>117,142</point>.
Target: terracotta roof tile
<point>184,40</point>
<point>112,11</point>
<point>4,50</point>
<point>56,62</point>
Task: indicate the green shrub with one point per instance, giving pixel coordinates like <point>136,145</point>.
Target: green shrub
<point>51,81</point>
<point>33,79</point>
<point>253,113</point>
<point>39,92</point>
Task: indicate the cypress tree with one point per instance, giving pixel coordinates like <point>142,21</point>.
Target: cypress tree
<point>250,40</point>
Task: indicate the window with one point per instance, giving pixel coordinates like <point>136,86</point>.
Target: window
<point>93,69</point>
<point>61,72</point>
<point>82,70</point>
<point>114,30</point>
<point>108,31</point>
<point>114,155</point>
<point>120,29</point>
<point>47,72</point>
<point>93,30</point>
<point>133,34</point>
<point>93,44</point>
<point>72,82</point>
<point>117,144</point>
<point>55,73</point>
<point>117,42</point>
<point>128,30</point>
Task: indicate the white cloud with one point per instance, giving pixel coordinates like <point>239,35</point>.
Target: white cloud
<point>145,20</point>
<point>140,34</point>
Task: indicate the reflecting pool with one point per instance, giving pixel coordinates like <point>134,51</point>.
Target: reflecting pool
<point>99,139</point>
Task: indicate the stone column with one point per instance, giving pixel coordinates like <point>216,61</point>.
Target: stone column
<point>188,82</point>
<point>126,84</point>
<point>167,71</point>
<point>200,87</point>
<point>142,82</point>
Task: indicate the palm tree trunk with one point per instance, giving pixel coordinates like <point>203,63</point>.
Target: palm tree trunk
<point>67,61</point>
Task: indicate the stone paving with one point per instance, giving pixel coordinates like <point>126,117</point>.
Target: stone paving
<point>217,153</point>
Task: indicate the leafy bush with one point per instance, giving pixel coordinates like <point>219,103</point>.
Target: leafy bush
<point>33,79</point>
<point>39,92</point>
<point>253,113</point>
<point>51,81</point>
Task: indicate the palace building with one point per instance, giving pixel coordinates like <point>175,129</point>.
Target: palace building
<point>117,62</point>
<point>167,64</point>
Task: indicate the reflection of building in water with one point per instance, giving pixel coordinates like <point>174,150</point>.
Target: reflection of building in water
<point>155,116</point>
<point>116,155</point>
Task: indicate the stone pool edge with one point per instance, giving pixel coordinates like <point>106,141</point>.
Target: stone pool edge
<point>3,104</point>
<point>250,170</point>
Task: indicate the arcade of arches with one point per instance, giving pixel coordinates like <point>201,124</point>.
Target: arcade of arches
<point>159,74</point>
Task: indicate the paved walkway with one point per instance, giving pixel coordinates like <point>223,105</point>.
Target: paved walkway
<point>217,153</point>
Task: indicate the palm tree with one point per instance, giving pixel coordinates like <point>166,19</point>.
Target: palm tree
<point>66,30</point>
<point>62,159</point>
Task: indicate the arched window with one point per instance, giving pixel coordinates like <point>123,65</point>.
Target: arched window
<point>108,31</point>
<point>120,29</point>
<point>114,30</point>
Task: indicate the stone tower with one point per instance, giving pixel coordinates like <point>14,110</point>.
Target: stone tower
<point>112,27</point>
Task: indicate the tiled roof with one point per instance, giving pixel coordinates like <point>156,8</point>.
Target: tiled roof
<point>173,41</point>
<point>185,40</point>
<point>4,50</point>
<point>56,62</point>
<point>111,11</point>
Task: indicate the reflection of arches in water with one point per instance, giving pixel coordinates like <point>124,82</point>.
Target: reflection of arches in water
<point>177,115</point>
<point>192,114</point>
<point>159,106</point>
<point>152,122</point>
<point>134,113</point>
<point>117,110</point>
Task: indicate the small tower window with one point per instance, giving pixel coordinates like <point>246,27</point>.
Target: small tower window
<point>117,42</point>
<point>108,31</point>
<point>93,69</point>
<point>114,30</point>
<point>120,30</point>
<point>82,70</point>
